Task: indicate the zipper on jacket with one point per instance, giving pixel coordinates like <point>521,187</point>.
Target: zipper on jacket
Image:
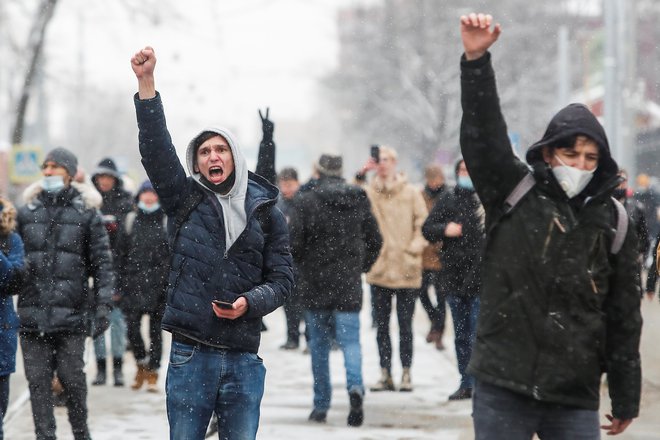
<point>547,239</point>
<point>593,283</point>
<point>554,223</point>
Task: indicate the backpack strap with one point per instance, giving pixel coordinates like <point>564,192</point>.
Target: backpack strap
<point>621,227</point>
<point>190,202</point>
<point>522,188</point>
<point>528,182</point>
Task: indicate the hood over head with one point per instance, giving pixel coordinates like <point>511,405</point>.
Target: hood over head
<point>573,120</point>
<point>108,167</point>
<point>240,164</point>
<point>233,201</point>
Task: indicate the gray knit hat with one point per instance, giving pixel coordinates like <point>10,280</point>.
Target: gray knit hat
<point>63,158</point>
<point>330,165</point>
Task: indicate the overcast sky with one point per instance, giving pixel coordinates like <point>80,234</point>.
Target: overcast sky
<point>218,61</point>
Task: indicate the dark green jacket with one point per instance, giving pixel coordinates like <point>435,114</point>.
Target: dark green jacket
<point>558,309</point>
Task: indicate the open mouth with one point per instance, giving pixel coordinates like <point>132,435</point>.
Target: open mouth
<point>216,172</point>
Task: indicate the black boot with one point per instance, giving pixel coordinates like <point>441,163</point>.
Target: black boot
<point>100,372</point>
<point>116,372</point>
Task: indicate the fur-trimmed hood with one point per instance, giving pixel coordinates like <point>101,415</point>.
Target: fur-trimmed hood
<point>90,196</point>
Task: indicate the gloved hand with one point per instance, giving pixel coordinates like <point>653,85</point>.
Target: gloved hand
<point>267,126</point>
<point>101,320</point>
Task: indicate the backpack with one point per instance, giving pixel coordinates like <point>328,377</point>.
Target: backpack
<point>528,182</point>
<point>17,282</point>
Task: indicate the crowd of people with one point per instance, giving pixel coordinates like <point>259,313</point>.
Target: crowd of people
<point>539,264</point>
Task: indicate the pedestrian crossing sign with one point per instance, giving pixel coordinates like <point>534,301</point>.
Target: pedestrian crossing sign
<point>25,164</point>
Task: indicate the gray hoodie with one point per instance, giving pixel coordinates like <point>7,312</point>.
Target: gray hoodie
<point>233,203</point>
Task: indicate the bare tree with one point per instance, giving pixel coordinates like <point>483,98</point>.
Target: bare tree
<point>36,39</point>
<point>398,76</point>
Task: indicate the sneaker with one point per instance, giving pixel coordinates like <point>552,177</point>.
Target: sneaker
<point>318,416</point>
<point>385,383</point>
<point>406,381</point>
<point>461,394</point>
<point>289,345</point>
<point>356,414</point>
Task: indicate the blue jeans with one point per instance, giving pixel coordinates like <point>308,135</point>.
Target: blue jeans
<point>201,380</point>
<point>500,414</point>
<point>347,335</point>
<point>464,312</point>
<point>117,336</point>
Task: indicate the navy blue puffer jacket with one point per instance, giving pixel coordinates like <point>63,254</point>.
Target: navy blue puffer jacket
<point>256,264</point>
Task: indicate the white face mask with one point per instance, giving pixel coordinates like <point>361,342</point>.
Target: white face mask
<point>52,184</point>
<point>148,209</point>
<point>572,180</point>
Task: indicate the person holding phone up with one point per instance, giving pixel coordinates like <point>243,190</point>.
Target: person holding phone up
<point>230,243</point>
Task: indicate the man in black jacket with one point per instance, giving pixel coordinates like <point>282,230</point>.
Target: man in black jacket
<point>334,239</point>
<point>230,266</point>
<point>457,221</point>
<point>117,202</point>
<point>560,294</point>
<point>65,244</point>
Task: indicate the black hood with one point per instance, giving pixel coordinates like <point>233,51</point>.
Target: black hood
<point>573,120</point>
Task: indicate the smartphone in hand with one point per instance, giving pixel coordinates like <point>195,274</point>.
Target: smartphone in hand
<point>223,304</point>
<point>375,153</point>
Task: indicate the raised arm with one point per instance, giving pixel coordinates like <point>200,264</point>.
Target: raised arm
<point>266,158</point>
<point>484,139</point>
<point>477,34</point>
<point>159,156</point>
<point>143,64</point>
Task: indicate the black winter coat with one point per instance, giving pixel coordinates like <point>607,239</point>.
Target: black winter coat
<point>257,266</point>
<point>460,255</point>
<point>65,244</point>
<point>116,204</point>
<point>334,239</point>
<point>143,262</point>
<point>557,308</point>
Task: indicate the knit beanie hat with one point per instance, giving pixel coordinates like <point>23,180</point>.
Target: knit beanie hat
<point>330,165</point>
<point>63,158</point>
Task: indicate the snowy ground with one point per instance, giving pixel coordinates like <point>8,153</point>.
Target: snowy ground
<point>120,413</point>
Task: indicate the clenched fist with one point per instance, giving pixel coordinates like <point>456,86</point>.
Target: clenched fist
<point>143,64</point>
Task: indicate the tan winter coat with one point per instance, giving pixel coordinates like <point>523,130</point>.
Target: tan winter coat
<point>400,211</point>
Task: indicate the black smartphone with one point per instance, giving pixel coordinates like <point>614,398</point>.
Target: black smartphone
<point>223,304</point>
<point>375,153</point>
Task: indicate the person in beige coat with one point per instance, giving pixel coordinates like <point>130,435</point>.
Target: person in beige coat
<point>400,211</point>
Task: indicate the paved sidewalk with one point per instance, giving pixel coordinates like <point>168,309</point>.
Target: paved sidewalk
<point>123,414</point>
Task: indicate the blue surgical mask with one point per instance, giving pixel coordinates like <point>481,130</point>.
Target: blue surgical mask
<point>52,184</point>
<point>465,182</point>
<point>149,209</point>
